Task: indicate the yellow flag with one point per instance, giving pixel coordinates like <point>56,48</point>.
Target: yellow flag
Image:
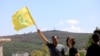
<point>22,19</point>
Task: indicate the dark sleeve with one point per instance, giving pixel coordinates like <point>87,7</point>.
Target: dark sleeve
<point>88,52</point>
<point>49,44</point>
<point>63,52</point>
<point>75,50</point>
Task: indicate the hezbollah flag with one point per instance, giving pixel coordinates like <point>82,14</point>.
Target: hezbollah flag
<point>22,19</point>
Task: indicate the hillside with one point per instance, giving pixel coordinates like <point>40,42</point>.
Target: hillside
<point>81,38</point>
<point>32,41</point>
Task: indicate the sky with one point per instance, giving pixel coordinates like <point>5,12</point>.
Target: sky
<point>80,16</point>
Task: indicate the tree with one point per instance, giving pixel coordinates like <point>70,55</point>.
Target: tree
<point>89,42</point>
<point>43,51</point>
<point>37,53</point>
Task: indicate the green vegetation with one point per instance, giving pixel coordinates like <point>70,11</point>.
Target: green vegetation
<point>81,53</point>
<point>14,47</point>
<point>42,52</point>
<point>89,42</point>
<point>31,42</point>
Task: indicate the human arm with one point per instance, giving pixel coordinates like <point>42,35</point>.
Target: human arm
<point>63,52</point>
<point>77,54</point>
<point>43,37</point>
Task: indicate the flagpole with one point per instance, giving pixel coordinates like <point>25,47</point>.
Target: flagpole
<point>32,19</point>
<point>36,26</point>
